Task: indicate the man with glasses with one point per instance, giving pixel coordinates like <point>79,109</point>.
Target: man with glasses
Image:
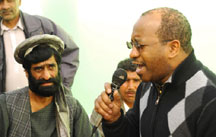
<point>178,98</point>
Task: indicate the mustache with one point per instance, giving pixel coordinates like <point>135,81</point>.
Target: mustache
<point>131,91</point>
<point>42,81</point>
<point>5,10</point>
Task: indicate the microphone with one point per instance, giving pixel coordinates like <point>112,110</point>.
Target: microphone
<point>118,78</point>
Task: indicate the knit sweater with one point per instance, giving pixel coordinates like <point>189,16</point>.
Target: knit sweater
<point>186,107</point>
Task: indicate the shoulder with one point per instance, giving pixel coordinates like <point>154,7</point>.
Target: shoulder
<point>143,88</point>
<point>71,100</point>
<point>18,91</point>
<point>74,104</point>
<point>2,99</point>
<point>34,17</point>
<point>210,75</point>
<point>33,22</point>
<point>16,94</point>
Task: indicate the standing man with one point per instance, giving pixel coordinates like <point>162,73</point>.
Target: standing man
<point>42,109</point>
<point>127,90</point>
<point>15,27</point>
<point>179,96</point>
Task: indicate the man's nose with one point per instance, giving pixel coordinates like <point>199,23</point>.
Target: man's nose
<point>134,52</point>
<point>46,74</point>
<point>131,84</point>
<point>4,4</point>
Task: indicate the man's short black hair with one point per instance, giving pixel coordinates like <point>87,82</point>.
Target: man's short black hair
<point>127,65</point>
<point>39,54</point>
<point>174,26</point>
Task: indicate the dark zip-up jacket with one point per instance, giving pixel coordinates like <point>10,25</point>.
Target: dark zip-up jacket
<point>35,25</point>
<point>185,107</point>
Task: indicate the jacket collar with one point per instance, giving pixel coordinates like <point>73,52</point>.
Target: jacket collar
<point>186,69</point>
<point>183,72</point>
<point>31,24</point>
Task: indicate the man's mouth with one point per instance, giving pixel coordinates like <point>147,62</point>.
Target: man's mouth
<point>6,12</point>
<point>130,94</point>
<point>140,66</point>
<point>47,84</point>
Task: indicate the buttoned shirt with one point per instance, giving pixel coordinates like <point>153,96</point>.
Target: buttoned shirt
<point>15,75</point>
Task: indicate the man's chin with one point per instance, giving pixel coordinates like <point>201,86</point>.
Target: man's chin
<point>7,17</point>
<point>46,91</point>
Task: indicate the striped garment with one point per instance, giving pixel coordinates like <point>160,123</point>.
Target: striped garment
<point>15,115</point>
<point>185,106</point>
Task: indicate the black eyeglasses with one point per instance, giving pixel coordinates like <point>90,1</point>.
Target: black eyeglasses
<point>131,44</point>
<point>137,45</point>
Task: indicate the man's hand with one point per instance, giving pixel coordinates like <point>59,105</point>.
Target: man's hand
<point>110,110</point>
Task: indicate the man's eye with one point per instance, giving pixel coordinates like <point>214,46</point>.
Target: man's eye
<point>137,80</point>
<point>38,69</point>
<point>142,46</point>
<point>10,0</point>
<point>52,66</point>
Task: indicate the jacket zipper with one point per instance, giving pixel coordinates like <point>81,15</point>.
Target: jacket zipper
<point>159,95</point>
<point>159,91</point>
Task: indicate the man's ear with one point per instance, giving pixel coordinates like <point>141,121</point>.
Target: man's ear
<point>26,73</point>
<point>20,2</point>
<point>174,48</point>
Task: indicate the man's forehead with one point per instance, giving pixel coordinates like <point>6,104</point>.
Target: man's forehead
<point>148,20</point>
<point>132,74</point>
<point>7,0</point>
<point>147,26</point>
<point>49,61</point>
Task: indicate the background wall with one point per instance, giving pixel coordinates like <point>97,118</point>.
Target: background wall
<point>100,28</point>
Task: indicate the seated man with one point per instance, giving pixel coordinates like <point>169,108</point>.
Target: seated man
<point>127,90</point>
<point>42,109</point>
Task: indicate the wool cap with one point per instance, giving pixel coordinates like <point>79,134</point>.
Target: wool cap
<point>25,47</point>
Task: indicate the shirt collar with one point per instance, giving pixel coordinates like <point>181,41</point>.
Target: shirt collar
<point>169,80</point>
<point>5,28</point>
<point>126,107</point>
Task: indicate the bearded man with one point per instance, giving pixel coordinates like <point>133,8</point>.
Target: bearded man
<point>42,109</point>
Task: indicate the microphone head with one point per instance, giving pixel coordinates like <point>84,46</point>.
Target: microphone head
<point>119,77</point>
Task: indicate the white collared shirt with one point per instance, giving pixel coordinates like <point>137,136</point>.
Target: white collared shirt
<point>126,107</point>
<point>15,75</point>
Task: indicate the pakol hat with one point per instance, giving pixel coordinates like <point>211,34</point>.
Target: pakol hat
<point>24,48</point>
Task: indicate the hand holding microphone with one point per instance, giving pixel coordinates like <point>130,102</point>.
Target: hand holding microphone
<point>106,105</point>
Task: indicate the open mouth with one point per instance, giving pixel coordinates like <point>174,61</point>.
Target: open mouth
<point>140,66</point>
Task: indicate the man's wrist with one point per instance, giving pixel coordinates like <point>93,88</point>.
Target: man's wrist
<point>114,120</point>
